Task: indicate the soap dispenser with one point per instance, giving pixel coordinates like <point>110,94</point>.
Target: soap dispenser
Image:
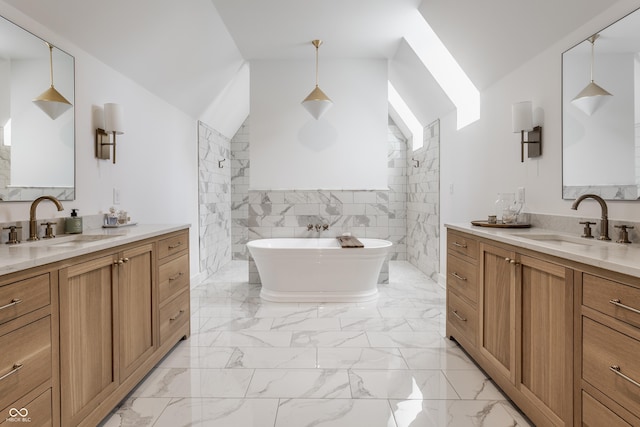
<point>73,225</point>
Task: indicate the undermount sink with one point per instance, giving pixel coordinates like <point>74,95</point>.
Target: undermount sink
<point>562,240</point>
<point>70,241</point>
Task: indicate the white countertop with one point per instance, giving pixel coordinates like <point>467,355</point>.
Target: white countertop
<point>26,255</point>
<point>619,257</point>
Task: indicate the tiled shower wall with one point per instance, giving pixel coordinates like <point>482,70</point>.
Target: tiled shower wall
<point>423,206</point>
<point>214,192</point>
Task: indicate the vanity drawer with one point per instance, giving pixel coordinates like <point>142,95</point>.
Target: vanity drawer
<point>604,348</point>
<point>173,245</point>
<point>462,278</point>
<point>462,317</point>
<point>23,297</point>
<point>25,360</point>
<point>598,293</point>
<point>38,412</point>
<point>174,315</point>
<point>173,277</point>
<point>595,414</point>
<point>460,244</point>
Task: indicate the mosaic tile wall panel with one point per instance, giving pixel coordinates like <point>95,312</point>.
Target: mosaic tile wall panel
<point>214,194</point>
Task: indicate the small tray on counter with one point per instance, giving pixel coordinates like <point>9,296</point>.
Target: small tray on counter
<point>485,223</point>
<point>128,224</point>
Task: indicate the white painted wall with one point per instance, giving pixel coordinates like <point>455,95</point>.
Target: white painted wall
<point>156,168</point>
<point>483,159</point>
<point>345,149</point>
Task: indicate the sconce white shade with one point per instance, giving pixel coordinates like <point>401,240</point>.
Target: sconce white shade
<point>591,98</point>
<point>522,116</point>
<point>317,103</point>
<point>114,118</point>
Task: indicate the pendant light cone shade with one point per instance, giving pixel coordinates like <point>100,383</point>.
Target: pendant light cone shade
<point>51,101</point>
<point>317,102</point>
<point>593,96</point>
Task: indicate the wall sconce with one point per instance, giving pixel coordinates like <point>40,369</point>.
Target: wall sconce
<point>114,125</point>
<point>522,120</point>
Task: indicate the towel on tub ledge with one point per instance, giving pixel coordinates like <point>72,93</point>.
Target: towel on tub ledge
<point>349,242</point>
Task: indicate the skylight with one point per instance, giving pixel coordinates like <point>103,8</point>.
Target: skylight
<point>406,116</point>
<point>444,68</point>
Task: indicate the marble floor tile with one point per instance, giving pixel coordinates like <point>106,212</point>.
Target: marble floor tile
<point>253,363</point>
<point>374,324</point>
<point>197,357</point>
<point>437,358</point>
<point>301,383</point>
<point>456,413</point>
<point>182,382</point>
<point>360,358</point>
<point>473,385</point>
<point>207,412</point>
<point>137,412</point>
<point>418,385</point>
<point>306,324</point>
<point>248,338</point>
<point>268,357</point>
<point>334,413</point>
<point>330,339</point>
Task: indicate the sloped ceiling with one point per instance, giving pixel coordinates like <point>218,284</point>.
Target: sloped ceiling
<point>187,52</point>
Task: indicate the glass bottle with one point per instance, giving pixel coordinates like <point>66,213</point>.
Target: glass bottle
<point>504,202</point>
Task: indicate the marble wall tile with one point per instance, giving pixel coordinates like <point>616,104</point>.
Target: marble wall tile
<point>214,193</point>
<point>423,204</point>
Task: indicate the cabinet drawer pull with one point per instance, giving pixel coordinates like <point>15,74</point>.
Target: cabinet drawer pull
<point>16,368</point>
<point>616,370</point>
<point>176,277</point>
<point>13,302</point>
<point>171,319</point>
<point>177,245</point>
<point>457,276</point>
<point>617,303</point>
<point>455,313</point>
<point>460,245</point>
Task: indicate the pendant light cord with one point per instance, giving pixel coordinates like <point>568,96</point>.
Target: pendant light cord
<point>50,63</point>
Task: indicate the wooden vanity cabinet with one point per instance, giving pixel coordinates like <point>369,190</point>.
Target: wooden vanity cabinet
<point>525,328</point>
<point>608,348</point>
<point>110,328</point>
<point>28,339</point>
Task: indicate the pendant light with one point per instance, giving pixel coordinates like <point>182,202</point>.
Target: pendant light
<point>592,96</point>
<point>51,101</point>
<point>317,103</point>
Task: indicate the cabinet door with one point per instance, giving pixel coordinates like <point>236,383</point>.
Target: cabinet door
<point>135,291</point>
<point>87,314</point>
<point>545,371</point>
<point>497,310</point>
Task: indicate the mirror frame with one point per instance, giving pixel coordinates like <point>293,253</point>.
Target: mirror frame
<point>622,192</point>
<point>28,194</point>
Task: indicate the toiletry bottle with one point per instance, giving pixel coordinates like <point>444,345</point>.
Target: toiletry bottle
<point>73,225</point>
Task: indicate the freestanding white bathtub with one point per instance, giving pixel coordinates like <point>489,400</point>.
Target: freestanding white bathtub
<point>318,269</point>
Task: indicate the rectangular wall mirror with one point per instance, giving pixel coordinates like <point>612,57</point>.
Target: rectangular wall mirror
<point>37,153</point>
<point>601,146</point>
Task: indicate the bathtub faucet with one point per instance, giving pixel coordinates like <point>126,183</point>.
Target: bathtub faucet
<point>323,227</point>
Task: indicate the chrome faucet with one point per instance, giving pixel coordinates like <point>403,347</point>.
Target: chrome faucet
<point>33,224</point>
<point>604,219</point>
